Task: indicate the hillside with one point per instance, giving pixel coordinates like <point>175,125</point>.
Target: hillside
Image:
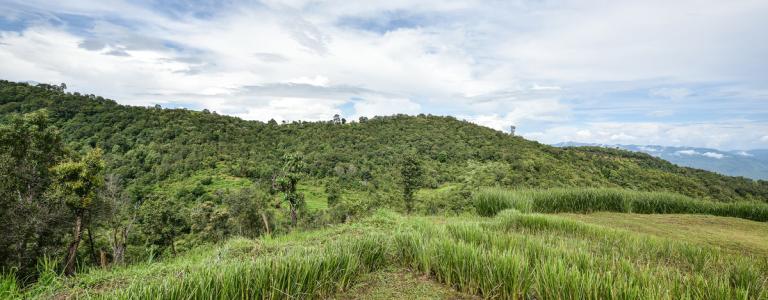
<point>104,201</point>
<point>747,163</point>
<point>154,147</point>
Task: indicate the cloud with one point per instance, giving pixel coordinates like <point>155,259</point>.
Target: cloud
<point>690,152</point>
<point>713,155</point>
<point>687,152</point>
<point>709,135</point>
<point>563,70</point>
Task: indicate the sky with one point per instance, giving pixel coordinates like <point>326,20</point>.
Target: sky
<point>675,73</point>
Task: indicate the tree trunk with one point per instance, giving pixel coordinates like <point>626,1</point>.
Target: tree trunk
<point>102,258</point>
<point>93,248</point>
<point>293,215</point>
<point>119,238</point>
<point>173,247</point>
<point>266,222</point>
<point>69,268</point>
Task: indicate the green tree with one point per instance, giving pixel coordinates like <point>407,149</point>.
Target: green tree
<point>209,222</point>
<point>162,221</point>
<point>78,183</point>
<point>29,146</point>
<point>251,211</point>
<point>333,190</point>
<point>411,178</point>
<point>288,180</point>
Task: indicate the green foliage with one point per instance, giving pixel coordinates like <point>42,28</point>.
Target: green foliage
<point>490,201</point>
<point>30,219</point>
<point>333,190</point>
<point>210,222</point>
<point>411,178</point>
<point>251,212</point>
<point>81,179</point>
<point>162,222</point>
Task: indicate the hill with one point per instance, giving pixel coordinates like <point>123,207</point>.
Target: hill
<point>152,148</point>
<point>146,202</point>
<point>747,163</point>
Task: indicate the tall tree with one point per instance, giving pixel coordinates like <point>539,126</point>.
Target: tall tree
<point>288,180</point>
<point>78,181</point>
<point>411,178</point>
<point>29,147</point>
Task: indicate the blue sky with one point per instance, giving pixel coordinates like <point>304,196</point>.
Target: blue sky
<point>685,73</point>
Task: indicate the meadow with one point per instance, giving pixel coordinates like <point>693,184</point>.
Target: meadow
<point>513,255</point>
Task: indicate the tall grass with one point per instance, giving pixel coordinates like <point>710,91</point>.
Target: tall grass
<point>490,201</point>
<point>523,256</point>
<point>303,273</point>
<point>511,256</point>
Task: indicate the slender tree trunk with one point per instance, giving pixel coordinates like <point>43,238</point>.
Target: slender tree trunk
<point>93,248</point>
<point>102,258</point>
<point>266,222</point>
<point>173,247</point>
<point>293,215</point>
<point>118,245</point>
<point>69,268</point>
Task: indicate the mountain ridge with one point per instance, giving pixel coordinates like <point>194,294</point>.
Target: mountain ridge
<point>747,163</point>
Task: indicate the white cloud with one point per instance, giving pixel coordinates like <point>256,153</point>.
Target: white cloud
<point>688,152</point>
<point>691,152</point>
<point>493,63</point>
<point>379,105</point>
<point>713,135</point>
<point>713,155</point>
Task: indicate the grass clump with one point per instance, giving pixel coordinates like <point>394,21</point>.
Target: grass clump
<point>490,201</point>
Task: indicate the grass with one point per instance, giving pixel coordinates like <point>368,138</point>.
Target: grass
<point>511,256</point>
<point>733,234</point>
<point>398,283</point>
<point>490,201</point>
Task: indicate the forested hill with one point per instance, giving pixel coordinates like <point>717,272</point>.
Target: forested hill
<point>153,147</point>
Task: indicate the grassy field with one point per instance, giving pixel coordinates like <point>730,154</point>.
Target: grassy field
<point>733,234</point>
<point>511,256</point>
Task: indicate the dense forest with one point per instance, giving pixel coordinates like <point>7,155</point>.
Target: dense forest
<point>135,183</point>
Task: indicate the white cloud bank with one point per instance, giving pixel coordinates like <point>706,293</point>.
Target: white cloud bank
<point>493,63</point>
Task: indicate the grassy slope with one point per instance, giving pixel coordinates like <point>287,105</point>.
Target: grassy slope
<point>734,234</point>
<point>534,255</point>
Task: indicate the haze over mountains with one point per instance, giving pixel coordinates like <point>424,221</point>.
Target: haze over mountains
<point>748,163</point>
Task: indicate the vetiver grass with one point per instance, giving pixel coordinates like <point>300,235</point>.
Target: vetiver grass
<point>511,256</point>
<point>490,201</point>
<point>521,256</point>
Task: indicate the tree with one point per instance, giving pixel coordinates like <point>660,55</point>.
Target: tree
<point>210,222</point>
<point>29,146</point>
<point>250,211</point>
<point>336,119</point>
<point>411,172</point>
<point>162,221</point>
<point>287,181</point>
<point>121,215</point>
<point>78,183</point>
<point>334,192</point>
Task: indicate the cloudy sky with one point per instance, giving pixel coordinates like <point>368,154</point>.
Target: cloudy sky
<point>685,73</point>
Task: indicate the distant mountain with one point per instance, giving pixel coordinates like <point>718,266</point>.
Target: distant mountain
<point>748,163</point>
